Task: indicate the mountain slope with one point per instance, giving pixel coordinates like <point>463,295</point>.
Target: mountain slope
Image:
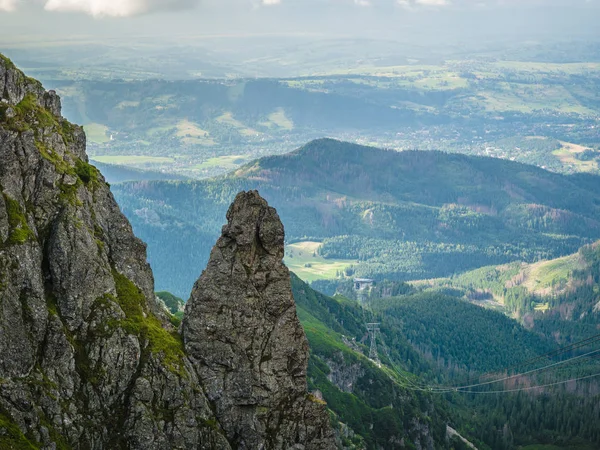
<point>468,345</point>
<point>446,342</point>
<point>364,397</point>
<point>405,215</point>
<point>85,348</point>
<point>89,359</point>
<point>558,297</point>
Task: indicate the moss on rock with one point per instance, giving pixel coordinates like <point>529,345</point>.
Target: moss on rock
<point>86,172</point>
<point>31,115</point>
<point>141,322</point>
<point>19,230</point>
<point>7,62</point>
<point>12,438</point>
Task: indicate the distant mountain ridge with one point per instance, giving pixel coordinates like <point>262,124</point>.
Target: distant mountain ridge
<point>403,215</point>
<point>118,174</point>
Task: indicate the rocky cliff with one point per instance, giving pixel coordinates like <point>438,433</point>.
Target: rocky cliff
<point>250,350</point>
<point>88,358</point>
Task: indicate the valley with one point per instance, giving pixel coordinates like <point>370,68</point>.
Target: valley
<point>179,271</point>
<point>527,110</point>
<point>376,213</point>
<point>344,217</point>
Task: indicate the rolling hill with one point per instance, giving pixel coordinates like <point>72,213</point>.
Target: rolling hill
<point>395,215</point>
<point>558,298</point>
<point>435,339</point>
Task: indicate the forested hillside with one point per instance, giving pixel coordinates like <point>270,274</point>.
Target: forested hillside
<point>447,342</point>
<point>558,298</point>
<point>407,215</point>
<point>367,399</point>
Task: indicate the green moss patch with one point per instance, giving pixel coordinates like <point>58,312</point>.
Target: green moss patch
<point>12,438</point>
<point>141,322</point>
<point>30,114</point>
<point>176,319</point>
<point>20,231</point>
<point>67,131</point>
<point>7,62</point>
<point>52,305</point>
<point>56,437</point>
<point>86,172</point>
<point>57,161</point>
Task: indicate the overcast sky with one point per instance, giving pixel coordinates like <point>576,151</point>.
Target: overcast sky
<point>348,17</point>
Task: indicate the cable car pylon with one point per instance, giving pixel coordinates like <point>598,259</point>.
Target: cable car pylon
<point>373,329</point>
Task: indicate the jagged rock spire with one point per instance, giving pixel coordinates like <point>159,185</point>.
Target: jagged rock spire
<point>87,358</point>
<point>245,340</point>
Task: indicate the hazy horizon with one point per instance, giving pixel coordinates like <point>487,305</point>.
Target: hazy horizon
<point>424,21</point>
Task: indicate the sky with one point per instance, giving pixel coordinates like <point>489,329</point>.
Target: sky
<point>128,8</point>
<point>440,19</point>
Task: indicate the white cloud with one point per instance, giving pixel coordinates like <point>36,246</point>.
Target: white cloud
<point>410,4</point>
<point>127,8</point>
<point>116,8</point>
<point>433,2</point>
<point>8,5</point>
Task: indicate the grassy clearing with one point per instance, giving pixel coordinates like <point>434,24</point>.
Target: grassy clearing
<point>226,162</point>
<point>421,77</point>
<point>96,133</point>
<point>191,133</point>
<point>152,132</point>
<point>546,276</point>
<point>133,160</point>
<point>528,98</point>
<point>388,71</point>
<point>442,81</point>
<point>228,119</point>
<point>568,156</point>
<point>303,259</point>
<point>279,120</point>
<point>538,67</point>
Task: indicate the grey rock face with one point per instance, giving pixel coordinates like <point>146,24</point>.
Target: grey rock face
<point>344,376</point>
<point>88,359</point>
<point>245,341</point>
<point>88,356</point>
